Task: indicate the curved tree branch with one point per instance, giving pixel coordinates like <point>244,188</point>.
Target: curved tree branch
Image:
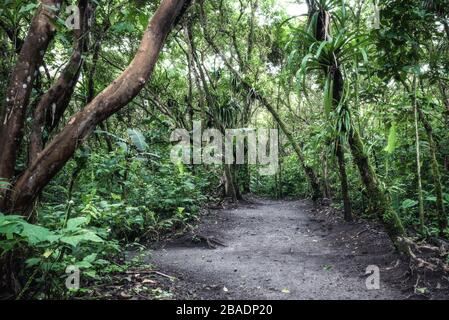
<point>117,95</point>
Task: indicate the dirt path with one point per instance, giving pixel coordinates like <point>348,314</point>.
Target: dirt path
<point>281,250</point>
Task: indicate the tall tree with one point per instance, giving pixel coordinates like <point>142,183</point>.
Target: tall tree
<point>60,149</point>
<point>18,92</point>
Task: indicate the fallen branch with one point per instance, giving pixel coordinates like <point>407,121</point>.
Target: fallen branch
<point>150,272</point>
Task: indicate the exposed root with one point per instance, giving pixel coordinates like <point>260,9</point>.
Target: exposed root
<point>210,241</point>
<point>424,256</point>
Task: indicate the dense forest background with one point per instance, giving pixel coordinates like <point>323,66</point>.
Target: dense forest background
<point>359,92</point>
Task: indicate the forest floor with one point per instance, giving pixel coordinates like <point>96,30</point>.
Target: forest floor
<point>284,250</point>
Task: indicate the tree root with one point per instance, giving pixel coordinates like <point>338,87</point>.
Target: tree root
<point>424,256</point>
<point>210,241</point>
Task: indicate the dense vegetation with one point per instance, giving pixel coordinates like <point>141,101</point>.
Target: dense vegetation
<point>359,92</point>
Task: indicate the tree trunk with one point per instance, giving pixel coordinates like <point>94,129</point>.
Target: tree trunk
<point>418,161</point>
<point>344,182</point>
<point>246,179</point>
<point>380,203</point>
<point>322,33</point>
<point>117,95</point>
<point>20,85</point>
<point>229,183</point>
<point>235,180</point>
<point>54,102</point>
<point>310,173</point>
<point>337,95</point>
<point>442,218</point>
<point>326,184</point>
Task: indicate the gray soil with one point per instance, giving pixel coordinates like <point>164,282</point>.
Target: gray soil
<point>282,250</point>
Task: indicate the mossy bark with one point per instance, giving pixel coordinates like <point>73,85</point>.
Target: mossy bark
<point>344,183</point>
<point>442,218</point>
<point>380,203</point>
<point>229,187</point>
<point>337,94</point>
<point>322,33</point>
<point>244,176</point>
<point>418,165</point>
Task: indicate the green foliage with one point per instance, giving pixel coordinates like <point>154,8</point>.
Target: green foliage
<point>122,187</point>
<point>391,139</point>
<point>50,251</point>
<point>138,139</point>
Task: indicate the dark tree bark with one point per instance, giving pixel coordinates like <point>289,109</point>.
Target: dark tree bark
<point>446,28</point>
<point>12,35</point>
<point>229,187</point>
<point>322,33</point>
<point>322,25</point>
<point>337,95</point>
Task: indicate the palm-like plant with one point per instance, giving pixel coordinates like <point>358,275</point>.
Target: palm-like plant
<point>228,114</point>
<point>328,54</point>
<point>438,6</point>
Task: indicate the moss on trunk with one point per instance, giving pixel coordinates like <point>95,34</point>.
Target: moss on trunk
<point>344,182</point>
<point>442,218</point>
<point>380,203</point>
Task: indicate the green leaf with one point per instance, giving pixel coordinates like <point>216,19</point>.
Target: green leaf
<point>143,20</point>
<point>36,234</point>
<point>320,48</point>
<point>327,267</point>
<point>83,264</point>
<point>446,198</point>
<point>408,203</point>
<point>138,139</point>
<point>328,95</point>
<point>72,240</point>
<point>29,7</point>
<point>4,184</point>
<point>90,258</point>
<point>391,146</point>
<point>76,239</point>
<point>122,27</point>
<point>74,223</point>
<point>32,262</point>
<point>422,290</point>
<point>181,167</point>
<point>364,55</point>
